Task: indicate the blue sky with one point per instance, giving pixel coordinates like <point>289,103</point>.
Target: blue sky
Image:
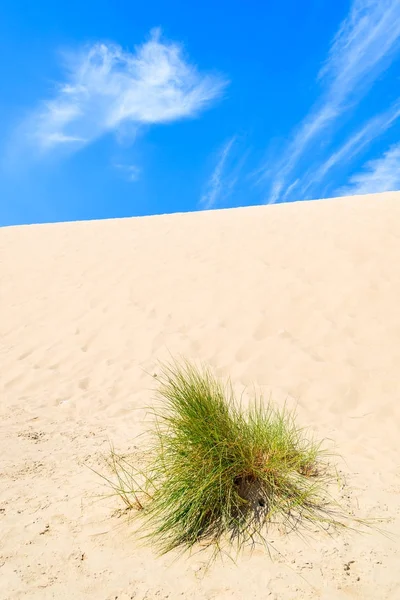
<point>120,108</point>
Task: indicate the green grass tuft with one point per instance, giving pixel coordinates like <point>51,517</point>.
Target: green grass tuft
<point>216,471</point>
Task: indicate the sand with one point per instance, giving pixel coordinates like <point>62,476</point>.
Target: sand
<point>300,299</point>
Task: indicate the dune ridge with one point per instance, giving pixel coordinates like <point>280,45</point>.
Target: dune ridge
<point>299,299</point>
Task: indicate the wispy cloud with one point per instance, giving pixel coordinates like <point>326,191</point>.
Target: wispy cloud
<point>106,87</point>
<point>131,172</point>
<point>363,48</point>
<point>352,147</point>
<point>214,186</point>
<point>379,175</point>
<point>221,183</point>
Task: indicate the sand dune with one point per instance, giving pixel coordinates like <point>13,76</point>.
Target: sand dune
<point>301,299</point>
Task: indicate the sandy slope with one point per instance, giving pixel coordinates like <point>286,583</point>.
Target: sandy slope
<point>302,299</point>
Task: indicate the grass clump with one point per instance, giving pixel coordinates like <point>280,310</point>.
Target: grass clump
<point>218,471</point>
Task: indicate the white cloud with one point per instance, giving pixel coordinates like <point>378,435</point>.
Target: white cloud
<point>132,172</point>
<point>216,185</point>
<point>379,175</point>
<point>364,41</point>
<point>363,48</point>
<point>353,146</point>
<point>107,87</point>
<point>291,187</point>
<point>61,138</point>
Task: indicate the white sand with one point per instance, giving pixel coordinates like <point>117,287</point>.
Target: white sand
<point>302,299</point>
